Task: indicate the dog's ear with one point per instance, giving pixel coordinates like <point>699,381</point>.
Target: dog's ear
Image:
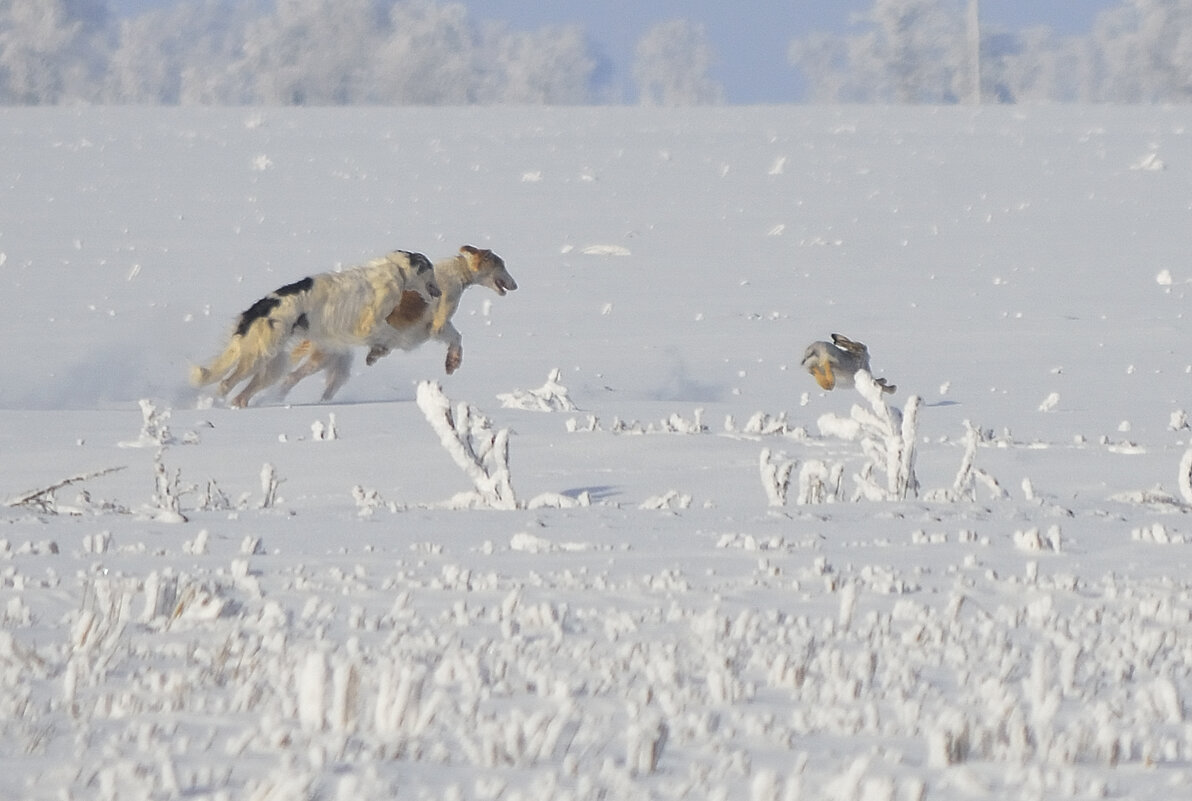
<point>474,256</point>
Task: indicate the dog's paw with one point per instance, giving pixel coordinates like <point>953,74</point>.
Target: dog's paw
<point>455,357</point>
<point>375,354</point>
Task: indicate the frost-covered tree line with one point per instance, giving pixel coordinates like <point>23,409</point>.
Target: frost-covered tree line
<point>321,52</point>
<point>921,51</point>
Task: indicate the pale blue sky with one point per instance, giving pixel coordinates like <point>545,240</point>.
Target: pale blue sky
<point>750,38</point>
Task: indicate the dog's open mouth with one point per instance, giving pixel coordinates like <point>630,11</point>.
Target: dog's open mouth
<point>502,286</point>
<point>433,290</point>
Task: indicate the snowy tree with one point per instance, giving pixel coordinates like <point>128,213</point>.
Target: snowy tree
<point>552,66</point>
<point>181,55</point>
<point>51,51</point>
<point>911,51</point>
<point>671,66</point>
<point>285,52</point>
<point>1145,51</point>
<point>311,52</point>
<point>430,56</point>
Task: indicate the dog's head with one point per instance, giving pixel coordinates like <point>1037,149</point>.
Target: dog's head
<point>420,275</point>
<point>488,269</point>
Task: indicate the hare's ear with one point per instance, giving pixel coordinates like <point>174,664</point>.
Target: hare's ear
<point>844,343</point>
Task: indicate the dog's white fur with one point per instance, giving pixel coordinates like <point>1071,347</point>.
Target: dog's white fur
<point>339,309</point>
<point>834,364</point>
<point>412,322</point>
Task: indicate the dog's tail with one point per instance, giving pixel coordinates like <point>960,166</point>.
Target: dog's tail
<point>261,332</point>
<point>201,376</point>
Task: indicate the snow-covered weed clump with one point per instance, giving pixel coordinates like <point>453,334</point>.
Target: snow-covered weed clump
<point>887,437</point>
<point>550,397</point>
<point>675,423</point>
<point>817,481</point>
<point>155,427</point>
<point>764,424</point>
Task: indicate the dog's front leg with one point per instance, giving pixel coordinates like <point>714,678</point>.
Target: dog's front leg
<point>455,348</point>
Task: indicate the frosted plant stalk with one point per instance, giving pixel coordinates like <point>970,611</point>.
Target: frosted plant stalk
<point>269,486</point>
<point>479,451</point>
<point>167,491</point>
<point>776,477</point>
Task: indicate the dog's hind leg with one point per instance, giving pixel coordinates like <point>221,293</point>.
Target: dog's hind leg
<point>266,375</point>
<point>339,369</point>
<point>315,361</point>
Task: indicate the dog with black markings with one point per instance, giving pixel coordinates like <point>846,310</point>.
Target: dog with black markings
<point>413,322</point>
<point>335,310</point>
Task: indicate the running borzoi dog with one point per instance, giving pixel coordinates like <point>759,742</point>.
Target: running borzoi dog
<point>833,364</point>
<point>412,322</point>
<point>336,310</point>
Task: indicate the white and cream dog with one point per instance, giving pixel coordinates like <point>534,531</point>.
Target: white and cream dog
<point>413,322</point>
<point>335,310</point>
<point>834,364</point>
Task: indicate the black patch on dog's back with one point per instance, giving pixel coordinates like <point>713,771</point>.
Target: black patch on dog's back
<point>298,286</point>
<point>257,311</point>
<point>263,307</point>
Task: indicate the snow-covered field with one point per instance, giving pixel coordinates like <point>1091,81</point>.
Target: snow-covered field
<point>304,601</point>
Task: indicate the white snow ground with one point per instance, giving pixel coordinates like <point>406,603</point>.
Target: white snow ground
<point>332,621</point>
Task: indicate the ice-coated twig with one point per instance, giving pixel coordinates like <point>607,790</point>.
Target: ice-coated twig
<point>964,486</point>
<point>1185,478</point>
<point>43,498</point>
<point>483,454</point>
<point>269,486</point>
<point>167,491</point>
